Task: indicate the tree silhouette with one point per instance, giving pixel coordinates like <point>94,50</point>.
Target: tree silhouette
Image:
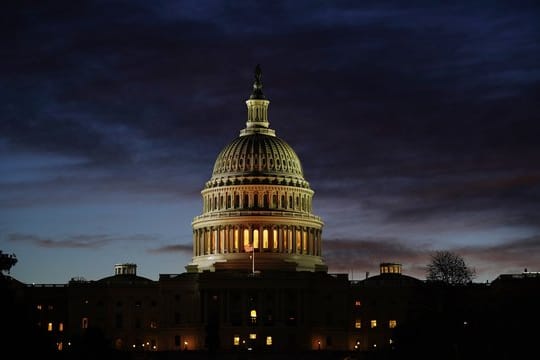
<point>7,262</point>
<point>449,268</point>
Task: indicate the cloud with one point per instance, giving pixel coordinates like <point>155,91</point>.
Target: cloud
<point>488,260</point>
<point>179,248</point>
<point>96,241</point>
<point>508,253</point>
<point>368,253</point>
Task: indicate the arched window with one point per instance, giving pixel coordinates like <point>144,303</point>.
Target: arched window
<point>236,239</point>
<point>265,239</point>
<point>246,237</point>
<point>256,238</point>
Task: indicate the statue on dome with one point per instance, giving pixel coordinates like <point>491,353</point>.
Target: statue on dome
<point>257,85</point>
<point>258,73</point>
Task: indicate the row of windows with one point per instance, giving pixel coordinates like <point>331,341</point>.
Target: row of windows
<point>119,323</point>
<point>50,326</point>
<point>301,202</point>
<point>235,164</point>
<point>237,340</point>
<point>373,324</point>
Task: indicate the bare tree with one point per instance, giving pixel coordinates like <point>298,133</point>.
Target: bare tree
<point>449,268</point>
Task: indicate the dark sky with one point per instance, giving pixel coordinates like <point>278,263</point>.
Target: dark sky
<point>417,125</point>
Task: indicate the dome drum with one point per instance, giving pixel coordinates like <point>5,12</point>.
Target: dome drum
<point>257,197</point>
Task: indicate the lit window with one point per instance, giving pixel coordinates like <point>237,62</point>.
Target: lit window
<point>357,303</point>
<point>268,340</point>
<point>252,336</point>
<point>236,340</point>
<point>253,313</point>
<point>60,346</point>
<point>256,239</point>
<point>61,327</point>
<point>390,341</point>
<point>373,324</point>
<point>39,306</point>
<point>265,239</point>
<point>49,326</point>
<point>358,324</point>
<point>153,324</point>
<point>84,323</point>
<point>392,324</point>
<point>50,307</point>
<point>246,235</point>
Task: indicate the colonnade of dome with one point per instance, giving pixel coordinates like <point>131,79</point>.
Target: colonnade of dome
<point>271,238</point>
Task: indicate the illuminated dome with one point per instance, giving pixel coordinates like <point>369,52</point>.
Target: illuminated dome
<point>257,204</point>
<point>256,157</point>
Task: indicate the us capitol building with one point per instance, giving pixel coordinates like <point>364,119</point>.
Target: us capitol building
<point>257,200</point>
<point>258,282</point>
